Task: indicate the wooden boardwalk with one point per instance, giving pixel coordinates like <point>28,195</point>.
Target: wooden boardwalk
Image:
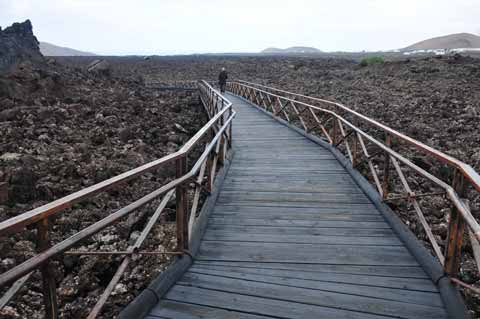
<point>293,236</point>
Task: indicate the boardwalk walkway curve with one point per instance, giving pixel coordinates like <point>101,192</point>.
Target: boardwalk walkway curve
<point>288,228</point>
<point>292,235</point>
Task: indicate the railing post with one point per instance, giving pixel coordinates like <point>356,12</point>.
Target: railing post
<point>181,206</point>
<point>335,131</point>
<point>208,173</point>
<point>354,150</point>
<point>48,279</point>
<point>209,184</point>
<point>221,156</point>
<point>386,168</point>
<point>230,138</point>
<point>456,229</point>
<point>222,118</point>
<point>222,152</point>
<point>210,99</point>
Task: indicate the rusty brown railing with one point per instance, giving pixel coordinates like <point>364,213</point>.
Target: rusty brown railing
<point>351,133</point>
<point>218,133</point>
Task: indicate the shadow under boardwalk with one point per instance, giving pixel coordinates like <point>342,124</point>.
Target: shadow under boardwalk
<point>293,236</point>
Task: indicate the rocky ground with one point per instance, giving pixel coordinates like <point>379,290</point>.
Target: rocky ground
<point>63,129</point>
<point>80,134</point>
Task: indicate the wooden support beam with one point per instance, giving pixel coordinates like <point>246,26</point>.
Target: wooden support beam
<point>418,210</point>
<point>386,168</point>
<point>456,230</point>
<point>182,206</point>
<point>48,279</point>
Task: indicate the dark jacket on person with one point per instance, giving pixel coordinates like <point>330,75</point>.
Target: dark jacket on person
<point>222,77</point>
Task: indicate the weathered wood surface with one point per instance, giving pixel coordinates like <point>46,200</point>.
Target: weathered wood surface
<point>292,236</point>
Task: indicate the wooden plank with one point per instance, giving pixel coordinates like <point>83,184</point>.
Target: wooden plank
<point>279,137</point>
<point>290,204</point>
<point>380,271</point>
<point>324,164</point>
<point>254,125</point>
<point>303,170</point>
<point>320,273</point>
<point>290,188</point>
<point>259,305</point>
<point>323,208</point>
<point>287,164</point>
<point>276,141</point>
<point>250,149</point>
<point>250,118</point>
<point>221,236</point>
<point>258,126</point>
<point>243,162</point>
<point>291,173</point>
<point>259,185</point>
<point>300,215</point>
<point>178,310</point>
<point>273,139</point>
<point>242,221</point>
<point>313,297</point>
<point>256,154</point>
<point>375,287</point>
<point>281,148</point>
<point>268,156</point>
<point>304,207</point>
<point>279,144</point>
<point>307,253</point>
<point>277,157</point>
<point>352,232</point>
<point>312,198</point>
<point>333,178</point>
<point>267,194</point>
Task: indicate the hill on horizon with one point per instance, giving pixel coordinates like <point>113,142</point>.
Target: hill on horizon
<point>451,41</point>
<point>49,49</point>
<point>292,50</point>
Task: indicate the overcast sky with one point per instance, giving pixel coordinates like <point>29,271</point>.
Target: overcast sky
<point>189,26</point>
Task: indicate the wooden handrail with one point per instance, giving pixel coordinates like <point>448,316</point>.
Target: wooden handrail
<point>466,169</point>
<point>460,212</point>
<point>18,222</point>
<point>34,262</point>
<point>220,114</point>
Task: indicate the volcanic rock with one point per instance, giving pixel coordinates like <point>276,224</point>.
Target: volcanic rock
<point>18,44</point>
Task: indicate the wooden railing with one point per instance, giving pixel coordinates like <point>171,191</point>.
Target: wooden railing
<point>379,158</point>
<point>215,136</point>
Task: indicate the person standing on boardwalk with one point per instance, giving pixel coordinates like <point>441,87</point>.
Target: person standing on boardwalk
<point>222,80</point>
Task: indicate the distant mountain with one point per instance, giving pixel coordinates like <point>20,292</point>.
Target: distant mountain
<point>49,49</point>
<point>452,41</point>
<point>292,50</point>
